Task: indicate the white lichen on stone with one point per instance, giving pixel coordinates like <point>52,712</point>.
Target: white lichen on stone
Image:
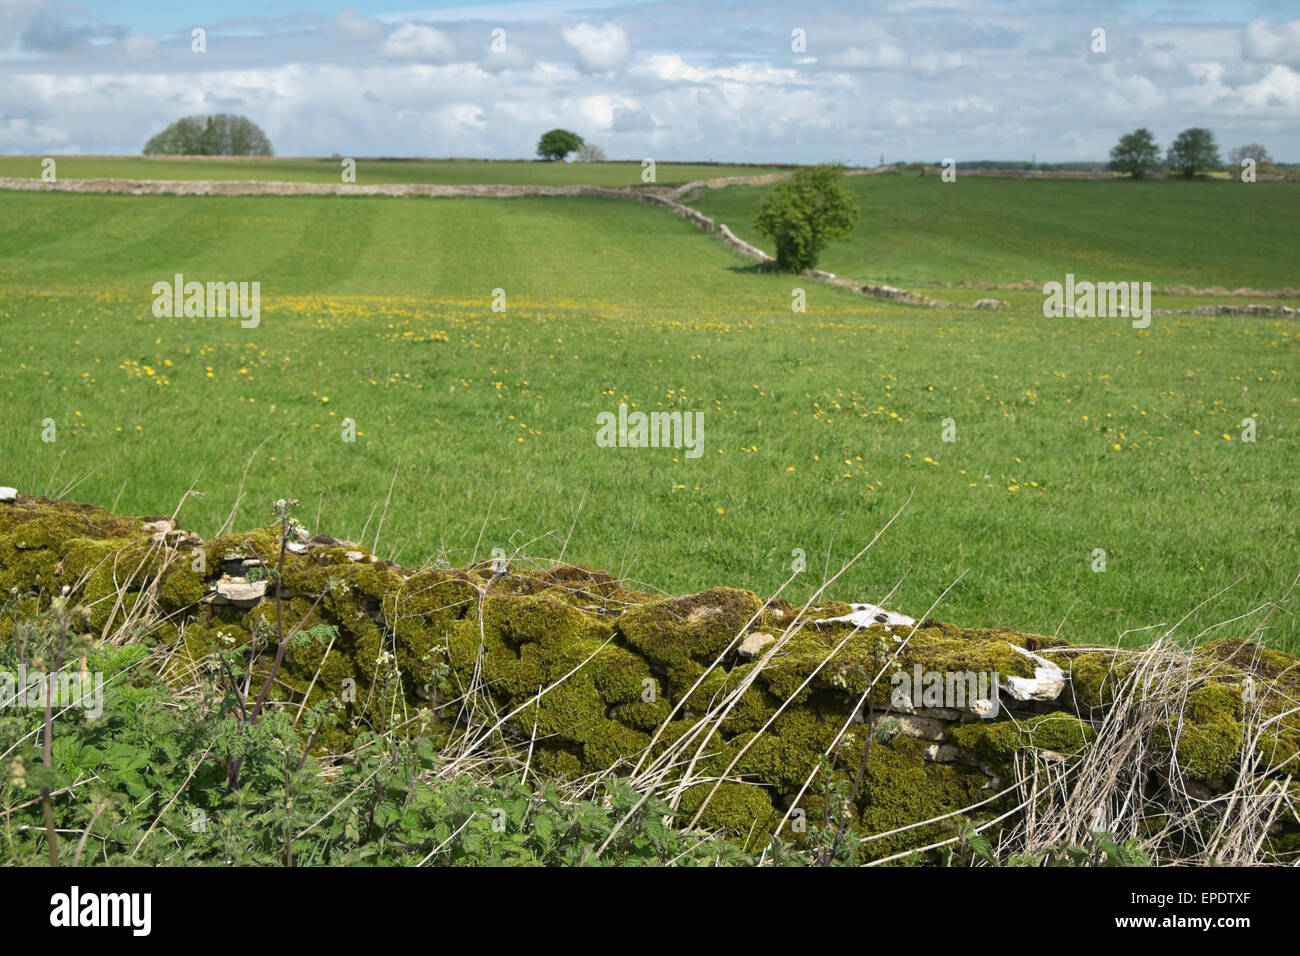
<point>867,615</point>
<point>1046,684</point>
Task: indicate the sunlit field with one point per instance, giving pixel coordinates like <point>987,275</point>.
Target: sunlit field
<point>449,172</point>
<point>1071,435</point>
<point>925,233</point>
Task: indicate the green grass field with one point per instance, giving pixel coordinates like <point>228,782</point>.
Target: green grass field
<point>438,172</point>
<point>1072,434</point>
<point>928,234</point>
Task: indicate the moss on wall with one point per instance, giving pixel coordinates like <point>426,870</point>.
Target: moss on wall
<point>612,665</point>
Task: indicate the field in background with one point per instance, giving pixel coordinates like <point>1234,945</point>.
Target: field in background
<point>1072,434</point>
<point>925,233</point>
<point>439,172</point>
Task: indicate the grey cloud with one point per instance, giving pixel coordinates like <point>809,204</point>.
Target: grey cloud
<point>632,121</point>
<point>511,58</point>
<point>355,26</point>
<point>139,46</point>
<point>49,32</point>
<point>215,103</point>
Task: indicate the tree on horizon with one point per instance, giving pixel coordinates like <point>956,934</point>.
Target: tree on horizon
<point>220,134</point>
<point>1194,151</point>
<point>1136,153</point>
<point>558,143</point>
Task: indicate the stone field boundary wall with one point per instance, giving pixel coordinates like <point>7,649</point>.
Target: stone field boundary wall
<point>750,693</point>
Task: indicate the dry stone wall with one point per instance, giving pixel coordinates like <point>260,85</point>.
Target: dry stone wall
<point>602,676</point>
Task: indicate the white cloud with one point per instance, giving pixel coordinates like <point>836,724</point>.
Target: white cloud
<point>601,48</point>
<point>1279,90</point>
<point>419,43</point>
<point>1268,42</point>
<point>1210,81</point>
<point>670,66</point>
<point>1139,91</point>
<point>602,111</point>
<point>459,116</point>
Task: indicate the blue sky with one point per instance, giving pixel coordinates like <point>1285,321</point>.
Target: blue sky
<point>671,79</point>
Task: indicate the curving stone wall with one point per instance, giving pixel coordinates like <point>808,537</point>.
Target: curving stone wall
<point>741,246</point>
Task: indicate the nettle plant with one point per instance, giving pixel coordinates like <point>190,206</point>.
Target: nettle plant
<point>237,666</point>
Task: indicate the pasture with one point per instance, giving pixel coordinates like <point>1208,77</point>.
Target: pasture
<point>1071,434</point>
<point>449,172</point>
<point>922,233</point>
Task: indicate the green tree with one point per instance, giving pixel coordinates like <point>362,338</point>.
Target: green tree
<point>558,143</point>
<point>209,144</point>
<point>182,138</point>
<point>805,213</point>
<point>222,134</point>
<point>1136,153</point>
<point>1193,151</point>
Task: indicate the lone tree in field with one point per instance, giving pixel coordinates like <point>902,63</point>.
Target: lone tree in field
<point>222,134</point>
<point>1193,151</point>
<point>805,213</point>
<point>1136,153</point>
<point>557,144</point>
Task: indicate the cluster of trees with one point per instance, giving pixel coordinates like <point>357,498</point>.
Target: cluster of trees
<point>1194,151</point>
<point>222,134</point>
